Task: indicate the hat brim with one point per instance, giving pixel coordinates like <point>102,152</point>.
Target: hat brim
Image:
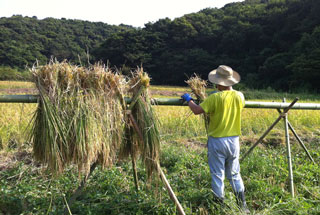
<point>217,79</point>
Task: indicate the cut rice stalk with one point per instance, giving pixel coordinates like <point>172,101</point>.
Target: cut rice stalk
<point>79,119</point>
<point>198,87</point>
<point>145,124</point>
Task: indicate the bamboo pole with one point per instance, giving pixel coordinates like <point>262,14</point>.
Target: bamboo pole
<point>19,98</point>
<point>279,105</point>
<point>174,102</point>
<point>299,140</point>
<point>261,138</point>
<point>270,128</point>
<point>286,128</point>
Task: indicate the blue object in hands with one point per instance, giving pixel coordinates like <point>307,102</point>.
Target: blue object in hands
<point>186,97</point>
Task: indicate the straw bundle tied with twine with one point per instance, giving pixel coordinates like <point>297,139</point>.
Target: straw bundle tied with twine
<point>81,118</point>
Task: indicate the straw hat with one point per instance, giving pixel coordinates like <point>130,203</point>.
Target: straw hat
<point>224,75</point>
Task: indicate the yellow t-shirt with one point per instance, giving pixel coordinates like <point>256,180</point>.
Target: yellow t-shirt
<point>224,109</point>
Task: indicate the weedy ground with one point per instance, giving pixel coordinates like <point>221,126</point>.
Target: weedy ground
<point>27,188</point>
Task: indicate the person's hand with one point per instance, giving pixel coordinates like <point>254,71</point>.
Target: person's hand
<point>186,97</point>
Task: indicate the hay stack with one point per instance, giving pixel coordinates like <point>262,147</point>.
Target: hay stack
<point>82,118</point>
<point>79,119</point>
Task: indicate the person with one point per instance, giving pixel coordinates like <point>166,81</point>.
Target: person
<point>224,110</point>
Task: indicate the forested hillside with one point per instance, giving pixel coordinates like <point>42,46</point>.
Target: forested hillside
<point>271,43</point>
<point>23,40</point>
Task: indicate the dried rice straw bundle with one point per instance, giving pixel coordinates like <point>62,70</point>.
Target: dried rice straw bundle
<point>198,87</point>
<point>79,120</point>
<point>141,132</point>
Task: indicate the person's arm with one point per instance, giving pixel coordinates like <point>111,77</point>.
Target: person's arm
<point>196,109</point>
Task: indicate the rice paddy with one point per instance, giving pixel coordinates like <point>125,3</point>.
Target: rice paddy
<point>28,188</point>
<point>16,85</point>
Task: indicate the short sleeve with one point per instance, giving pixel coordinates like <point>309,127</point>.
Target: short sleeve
<point>242,98</point>
<point>207,104</point>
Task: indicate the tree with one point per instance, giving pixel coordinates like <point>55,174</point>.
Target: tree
<point>306,64</point>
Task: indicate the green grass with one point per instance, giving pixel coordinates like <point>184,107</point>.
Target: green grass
<point>27,188</point>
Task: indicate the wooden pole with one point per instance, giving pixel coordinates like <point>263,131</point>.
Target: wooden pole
<point>170,191</point>
<point>135,172</point>
<point>288,153</point>
<point>79,190</point>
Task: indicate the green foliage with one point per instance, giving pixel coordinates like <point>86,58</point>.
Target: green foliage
<point>26,189</point>
<point>306,65</point>
<point>270,43</point>
<point>8,73</point>
<point>25,40</point>
<point>263,40</point>
<point>266,173</point>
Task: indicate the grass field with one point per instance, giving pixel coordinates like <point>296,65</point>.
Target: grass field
<point>15,84</point>
<point>27,188</point>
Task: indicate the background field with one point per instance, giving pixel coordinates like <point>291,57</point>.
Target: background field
<point>27,188</point>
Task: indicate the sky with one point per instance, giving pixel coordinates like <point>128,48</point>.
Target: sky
<point>114,12</point>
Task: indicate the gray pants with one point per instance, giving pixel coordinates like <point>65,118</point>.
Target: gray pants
<point>223,159</point>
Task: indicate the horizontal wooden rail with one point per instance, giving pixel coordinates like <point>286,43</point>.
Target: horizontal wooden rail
<point>174,102</point>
